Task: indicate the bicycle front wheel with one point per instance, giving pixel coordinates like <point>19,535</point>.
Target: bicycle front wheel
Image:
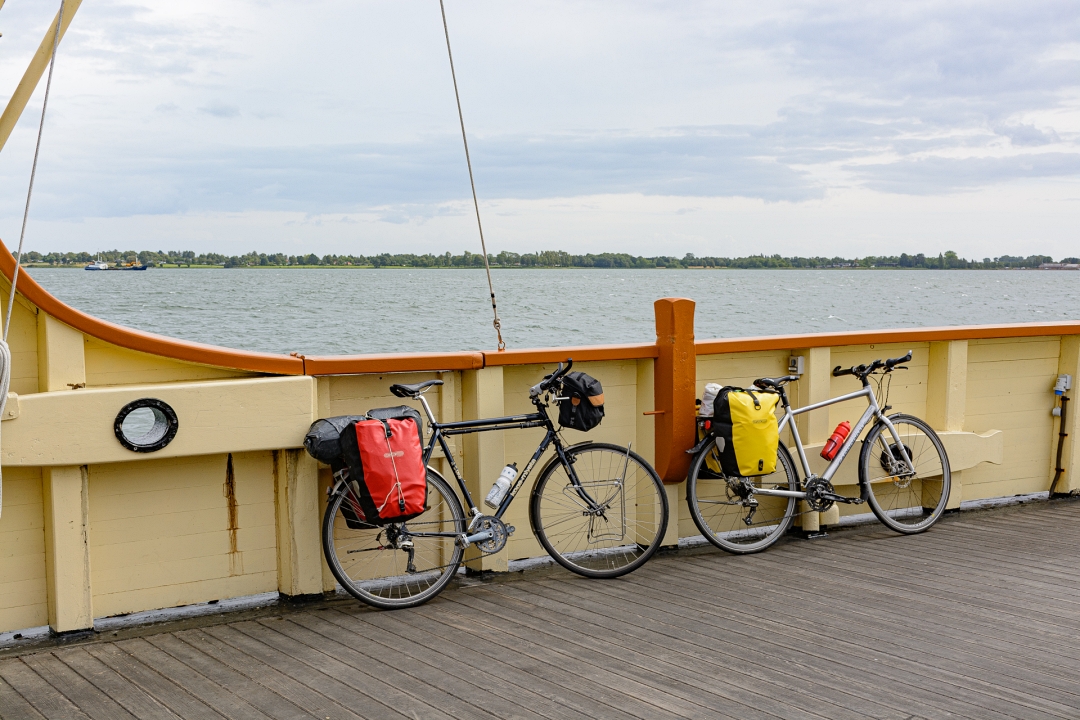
<point>609,522</point>
<point>729,512</point>
<point>905,501</point>
<point>397,565</point>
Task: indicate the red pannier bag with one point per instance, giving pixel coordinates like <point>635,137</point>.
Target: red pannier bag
<point>386,469</point>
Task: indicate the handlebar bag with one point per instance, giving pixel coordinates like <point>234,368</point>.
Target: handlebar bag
<point>746,431</point>
<point>583,406</point>
<point>385,462</point>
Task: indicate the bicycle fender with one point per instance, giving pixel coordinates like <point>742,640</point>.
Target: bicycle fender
<point>702,443</point>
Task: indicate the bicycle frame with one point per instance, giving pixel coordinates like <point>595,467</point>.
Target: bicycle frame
<point>540,418</point>
<point>872,411</point>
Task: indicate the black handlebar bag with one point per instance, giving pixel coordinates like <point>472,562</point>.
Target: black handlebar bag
<point>583,406</point>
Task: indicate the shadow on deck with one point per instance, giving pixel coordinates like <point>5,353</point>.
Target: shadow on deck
<point>979,618</point>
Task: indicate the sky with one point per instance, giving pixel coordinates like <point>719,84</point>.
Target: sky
<point>655,128</point>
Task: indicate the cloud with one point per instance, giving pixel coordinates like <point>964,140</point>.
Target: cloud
<point>220,109</point>
<point>935,175</point>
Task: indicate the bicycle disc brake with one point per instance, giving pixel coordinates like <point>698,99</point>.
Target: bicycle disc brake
<point>819,494</point>
<point>499,534</point>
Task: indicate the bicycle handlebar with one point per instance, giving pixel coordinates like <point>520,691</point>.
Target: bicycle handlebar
<point>551,380</point>
<point>861,371</point>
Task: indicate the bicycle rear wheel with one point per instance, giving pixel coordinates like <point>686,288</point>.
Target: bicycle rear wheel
<point>724,508</point>
<point>618,533</point>
<point>398,565</point>
<point>903,501</point>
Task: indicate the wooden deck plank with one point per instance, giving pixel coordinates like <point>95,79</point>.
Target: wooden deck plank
<point>919,645</point>
<point>14,707</point>
<point>880,616</point>
<point>798,653</point>
<point>251,667</point>
<point>270,703</point>
<point>154,683</point>
<point>281,657</point>
<point>79,691</point>
<point>419,681</point>
<point>209,692</point>
<point>487,693</point>
<point>611,686</point>
<point>765,675</point>
<point>117,687</point>
<point>455,645</point>
<point>974,619</point>
<point>847,659</point>
<point>46,699</point>
<point>581,639</point>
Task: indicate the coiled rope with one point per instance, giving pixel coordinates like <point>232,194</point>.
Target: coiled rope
<point>5,351</point>
<point>476,204</point>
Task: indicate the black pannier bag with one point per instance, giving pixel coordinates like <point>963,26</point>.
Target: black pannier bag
<point>583,408</point>
<point>408,486</point>
<point>323,439</point>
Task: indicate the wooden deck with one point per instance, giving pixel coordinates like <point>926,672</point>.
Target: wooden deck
<point>979,618</point>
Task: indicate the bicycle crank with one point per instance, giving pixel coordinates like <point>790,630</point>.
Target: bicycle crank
<point>497,531</point>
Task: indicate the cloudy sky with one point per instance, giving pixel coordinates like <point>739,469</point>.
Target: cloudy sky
<point>728,128</point>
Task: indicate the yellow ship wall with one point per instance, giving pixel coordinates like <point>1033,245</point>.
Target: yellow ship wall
<point>233,506</point>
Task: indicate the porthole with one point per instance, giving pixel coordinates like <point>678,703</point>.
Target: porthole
<point>146,425</point>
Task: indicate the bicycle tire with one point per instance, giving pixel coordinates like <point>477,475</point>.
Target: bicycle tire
<point>906,505</point>
<point>382,578</point>
<point>591,544</point>
<point>708,493</point>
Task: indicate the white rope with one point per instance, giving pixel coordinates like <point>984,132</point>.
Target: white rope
<point>468,161</point>
<point>5,351</point>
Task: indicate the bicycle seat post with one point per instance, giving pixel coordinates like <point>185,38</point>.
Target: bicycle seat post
<point>427,408</point>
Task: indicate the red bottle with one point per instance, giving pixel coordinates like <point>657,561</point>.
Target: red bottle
<point>837,439</point>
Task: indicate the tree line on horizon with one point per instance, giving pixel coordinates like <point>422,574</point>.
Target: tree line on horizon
<point>544,259</point>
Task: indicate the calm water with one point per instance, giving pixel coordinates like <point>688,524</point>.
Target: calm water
<point>363,311</point>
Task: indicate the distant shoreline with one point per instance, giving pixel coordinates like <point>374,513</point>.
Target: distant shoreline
<point>541,260</point>
<point>40,266</point>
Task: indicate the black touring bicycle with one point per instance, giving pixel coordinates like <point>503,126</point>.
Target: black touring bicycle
<point>598,509</point>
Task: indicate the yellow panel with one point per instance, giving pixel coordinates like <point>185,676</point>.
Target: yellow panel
<point>108,364</point>
<point>22,339</point>
<point>75,427</point>
<point>160,531</point>
<point>23,595</point>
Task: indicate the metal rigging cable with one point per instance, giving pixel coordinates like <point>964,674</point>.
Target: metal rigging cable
<point>5,352</point>
<point>476,204</point>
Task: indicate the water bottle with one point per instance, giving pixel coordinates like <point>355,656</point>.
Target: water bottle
<point>836,440</point>
<point>501,486</point>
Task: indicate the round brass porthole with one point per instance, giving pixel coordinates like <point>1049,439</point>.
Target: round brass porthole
<point>146,425</point>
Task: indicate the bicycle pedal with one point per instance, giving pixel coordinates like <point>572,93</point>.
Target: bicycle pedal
<point>510,529</point>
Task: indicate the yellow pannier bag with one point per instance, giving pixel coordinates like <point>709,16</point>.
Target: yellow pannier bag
<point>746,431</point>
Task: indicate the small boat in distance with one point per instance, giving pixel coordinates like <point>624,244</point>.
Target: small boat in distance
<point>102,265</point>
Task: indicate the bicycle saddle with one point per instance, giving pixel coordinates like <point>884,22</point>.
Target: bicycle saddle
<point>775,382</point>
<point>412,390</point>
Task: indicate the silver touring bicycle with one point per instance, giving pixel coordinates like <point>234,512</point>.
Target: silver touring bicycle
<point>903,472</point>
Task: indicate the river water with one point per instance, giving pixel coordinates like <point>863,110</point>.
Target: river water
<point>327,311</point>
